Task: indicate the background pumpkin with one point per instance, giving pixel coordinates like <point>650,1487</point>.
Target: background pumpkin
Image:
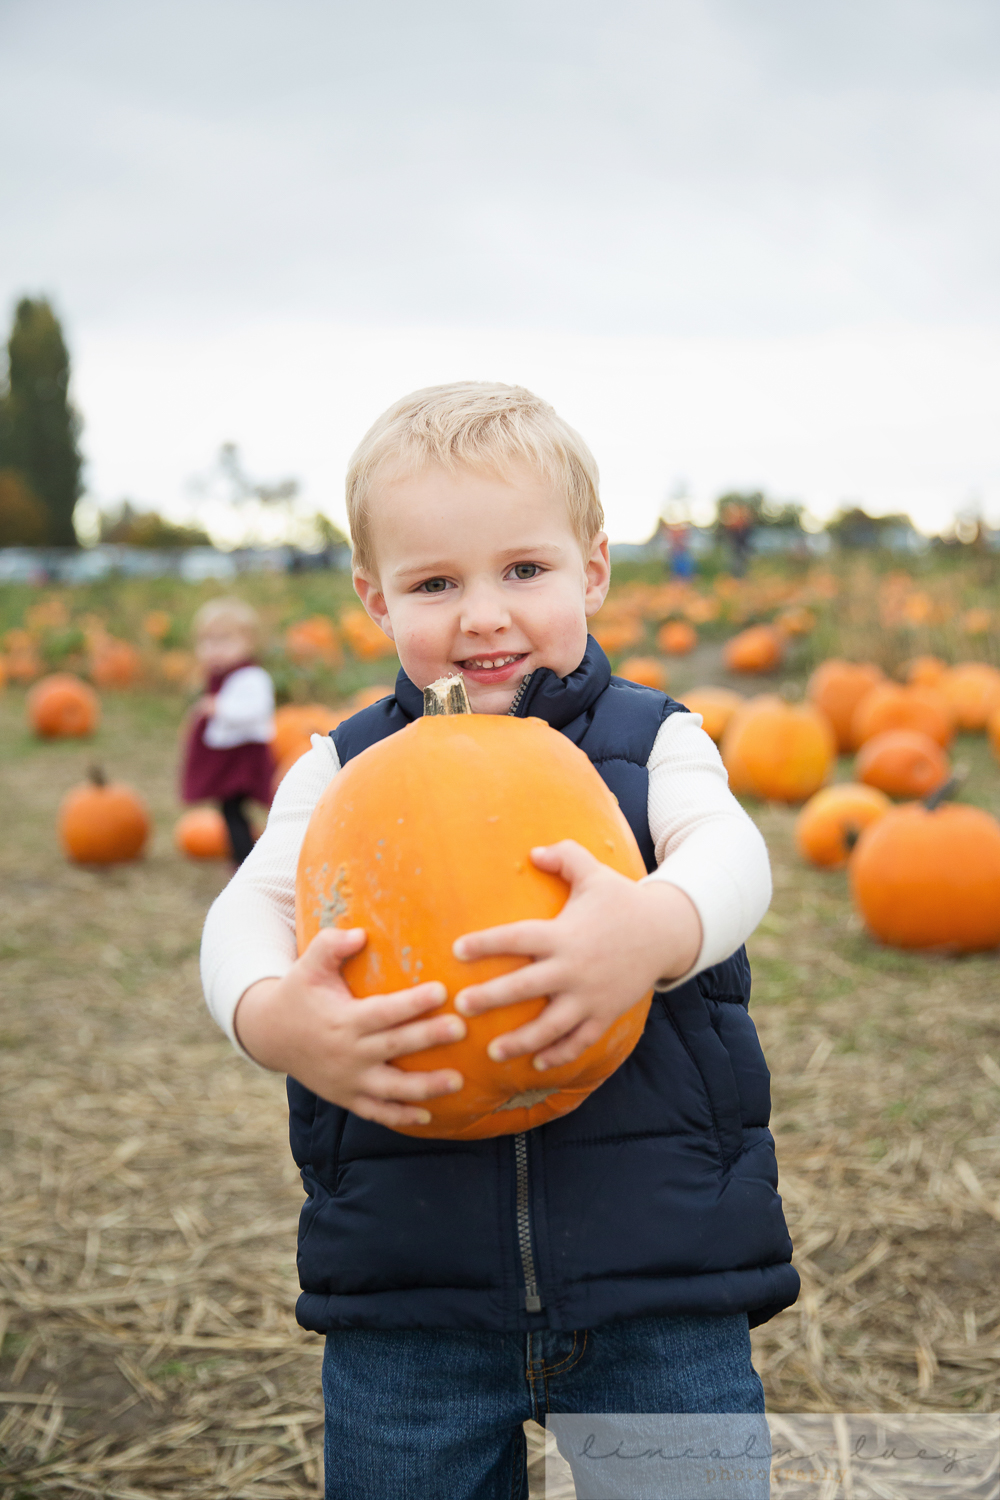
<point>837,687</point>
<point>780,751</point>
<point>103,823</point>
<point>831,822</point>
<point>425,837</point>
<point>760,648</point>
<point>891,706</point>
<point>902,763</point>
<point>930,878</point>
<point>677,637</point>
<point>201,833</point>
<point>972,689</point>
<point>62,706</point>
<point>647,670</point>
<point>716,706</point>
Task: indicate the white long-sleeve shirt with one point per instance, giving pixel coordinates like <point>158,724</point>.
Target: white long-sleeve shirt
<point>244,711</point>
<point>706,845</point>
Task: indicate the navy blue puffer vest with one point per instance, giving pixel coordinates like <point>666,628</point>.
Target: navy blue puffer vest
<point>658,1195</point>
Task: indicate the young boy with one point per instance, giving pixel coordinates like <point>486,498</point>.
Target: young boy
<point>613,1260</point>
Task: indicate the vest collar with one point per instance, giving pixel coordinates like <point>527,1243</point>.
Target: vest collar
<point>557,700</point>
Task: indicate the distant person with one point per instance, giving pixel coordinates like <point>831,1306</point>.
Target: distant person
<point>738,524</point>
<point>679,550</point>
<point>228,756</point>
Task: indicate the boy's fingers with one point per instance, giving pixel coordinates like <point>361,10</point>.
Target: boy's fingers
<point>329,948</point>
<point>387,1082</point>
<point>570,1047</point>
<point>520,939</point>
<point>533,982</point>
<point>568,859</point>
<point>383,1012</point>
<point>401,1040</point>
<point>556,1022</point>
<point>395,1116</point>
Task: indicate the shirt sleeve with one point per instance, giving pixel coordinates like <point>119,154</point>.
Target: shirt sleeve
<point>249,932</point>
<point>706,845</point>
<point>244,710</point>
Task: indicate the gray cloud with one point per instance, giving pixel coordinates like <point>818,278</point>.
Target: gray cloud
<point>682,167</point>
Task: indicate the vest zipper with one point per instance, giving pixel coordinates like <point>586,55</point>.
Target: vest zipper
<point>532,1296</point>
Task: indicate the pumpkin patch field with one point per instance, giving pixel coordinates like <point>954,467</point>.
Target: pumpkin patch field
<point>148,1202</point>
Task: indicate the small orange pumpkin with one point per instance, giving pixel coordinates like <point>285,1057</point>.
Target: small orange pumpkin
<point>426,836</point>
<point>364,637</point>
<point>760,648</point>
<point>972,688</point>
<point>677,638</point>
<point>103,823</point>
<point>837,687</point>
<point>201,833</point>
<point>925,671</point>
<point>716,706</point>
<point>902,763</point>
<point>828,826</point>
<point>156,623</point>
<point>796,620</point>
<point>892,706</point>
<point>366,696</point>
<point>62,706</point>
<point>314,640</point>
<point>114,663</point>
<point>930,878</point>
<point>294,725</point>
<point>647,670</point>
<point>780,751</point>
<point>993,731</point>
<point>616,635</point>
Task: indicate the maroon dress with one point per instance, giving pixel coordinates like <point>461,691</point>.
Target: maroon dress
<point>211,775</point>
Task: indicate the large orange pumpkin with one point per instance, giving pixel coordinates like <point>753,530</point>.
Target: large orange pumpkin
<point>829,825</point>
<point>781,751</point>
<point>837,687</point>
<point>760,648</point>
<point>677,637</point>
<point>426,836</point>
<point>892,706</point>
<point>716,706</point>
<point>972,688</point>
<point>930,878</point>
<point>647,670</point>
<point>902,763</point>
<point>62,706</point>
<point>201,833</point>
<point>102,823</point>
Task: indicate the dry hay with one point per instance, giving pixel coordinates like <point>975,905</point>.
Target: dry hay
<point>149,1202</point>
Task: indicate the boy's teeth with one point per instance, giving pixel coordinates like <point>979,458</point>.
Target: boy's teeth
<point>485,664</point>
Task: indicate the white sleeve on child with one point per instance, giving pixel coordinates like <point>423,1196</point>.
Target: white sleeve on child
<point>244,711</point>
<point>250,929</point>
<point>705,843</point>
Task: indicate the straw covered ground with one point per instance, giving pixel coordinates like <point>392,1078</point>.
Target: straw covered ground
<point>148,1202</point>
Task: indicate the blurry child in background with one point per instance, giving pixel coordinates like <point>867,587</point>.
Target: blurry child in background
<point>228,756</point>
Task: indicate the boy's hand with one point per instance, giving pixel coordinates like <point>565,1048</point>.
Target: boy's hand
<point>309,1024</point>
<point>612,940</point>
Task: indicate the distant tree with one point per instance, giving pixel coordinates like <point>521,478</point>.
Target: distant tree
<point>129,527</point>
<point>24,521</point>
<point>854,527</point>
<point>761,509</point>
<point>38,427</point>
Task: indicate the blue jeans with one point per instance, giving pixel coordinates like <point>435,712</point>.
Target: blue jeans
<point>427,1415</point>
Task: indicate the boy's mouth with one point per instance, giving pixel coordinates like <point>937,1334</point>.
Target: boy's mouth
<point>494,668</point>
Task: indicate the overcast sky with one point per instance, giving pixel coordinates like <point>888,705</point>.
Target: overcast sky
<point>736,242</point>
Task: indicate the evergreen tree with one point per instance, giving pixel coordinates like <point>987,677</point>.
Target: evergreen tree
<point>38,426</point>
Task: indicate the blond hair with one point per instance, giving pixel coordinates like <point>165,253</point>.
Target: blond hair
<point>233,612</point>
<point>478,425</point>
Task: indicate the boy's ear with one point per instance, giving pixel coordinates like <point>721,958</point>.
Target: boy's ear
<point>373,599</point>
<point>598,571</point>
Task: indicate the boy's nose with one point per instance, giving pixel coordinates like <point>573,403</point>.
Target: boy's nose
<point>484,612</point>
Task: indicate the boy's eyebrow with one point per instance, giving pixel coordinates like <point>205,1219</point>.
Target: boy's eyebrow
<point>525,550</point>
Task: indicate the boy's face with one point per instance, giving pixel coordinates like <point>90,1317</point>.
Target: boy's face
<point>482,576</point>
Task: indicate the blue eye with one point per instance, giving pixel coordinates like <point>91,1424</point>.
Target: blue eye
<point>525,570</point>
<point>434,585</point>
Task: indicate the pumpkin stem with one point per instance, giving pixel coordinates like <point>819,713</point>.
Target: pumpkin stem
<point>447,696</point>
<point>851,836</point>
<point>946,790</point>
<point>96,776</point>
